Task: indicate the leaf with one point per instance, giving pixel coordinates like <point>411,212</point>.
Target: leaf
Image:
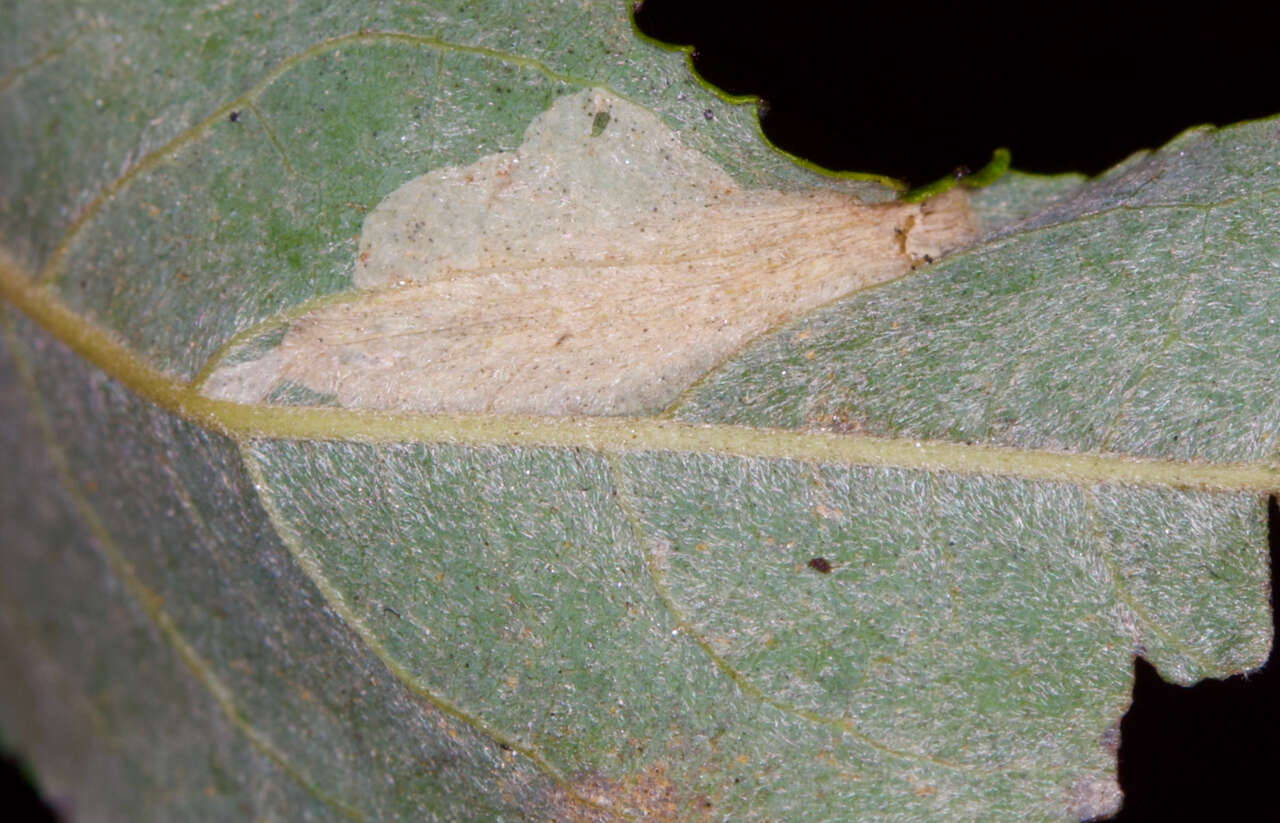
<point>597,269</point>
<point>891,559</point>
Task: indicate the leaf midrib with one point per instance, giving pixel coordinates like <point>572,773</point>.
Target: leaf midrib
<point>613,434</point>
<point>32,295</point>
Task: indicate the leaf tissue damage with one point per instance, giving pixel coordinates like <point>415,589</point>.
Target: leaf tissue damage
<point>600,268</point>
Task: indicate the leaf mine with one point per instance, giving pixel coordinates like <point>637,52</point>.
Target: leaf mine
<point>600,268</point>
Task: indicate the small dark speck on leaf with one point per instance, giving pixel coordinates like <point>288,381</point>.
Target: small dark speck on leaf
<point>820,564</point>
<point>708,114</point>
<point>234,117</point>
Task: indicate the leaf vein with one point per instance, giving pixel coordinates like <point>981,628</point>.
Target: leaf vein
<point>334,600</point>
<point>149,601</point>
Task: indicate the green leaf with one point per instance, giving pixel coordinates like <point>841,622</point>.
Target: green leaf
<point>890,559</point>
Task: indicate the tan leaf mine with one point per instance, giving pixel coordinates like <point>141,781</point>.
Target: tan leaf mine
<point>600,268</point>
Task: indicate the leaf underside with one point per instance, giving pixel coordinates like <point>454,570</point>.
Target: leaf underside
<point>303,612</point>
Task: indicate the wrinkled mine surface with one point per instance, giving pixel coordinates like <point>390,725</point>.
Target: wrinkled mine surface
<point>600,268</point>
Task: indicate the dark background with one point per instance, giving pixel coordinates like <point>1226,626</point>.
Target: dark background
<point>913,92</point>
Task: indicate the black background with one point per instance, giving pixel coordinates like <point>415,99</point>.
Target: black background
<point>911,91</point>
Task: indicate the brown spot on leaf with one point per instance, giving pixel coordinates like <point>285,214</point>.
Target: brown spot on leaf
<point>839,420</point>
<point>648,795</point>
<point>820,564</point>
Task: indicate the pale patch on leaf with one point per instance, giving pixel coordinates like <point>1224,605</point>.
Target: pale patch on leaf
<point>1094,797</point>
<point>600,268</point>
